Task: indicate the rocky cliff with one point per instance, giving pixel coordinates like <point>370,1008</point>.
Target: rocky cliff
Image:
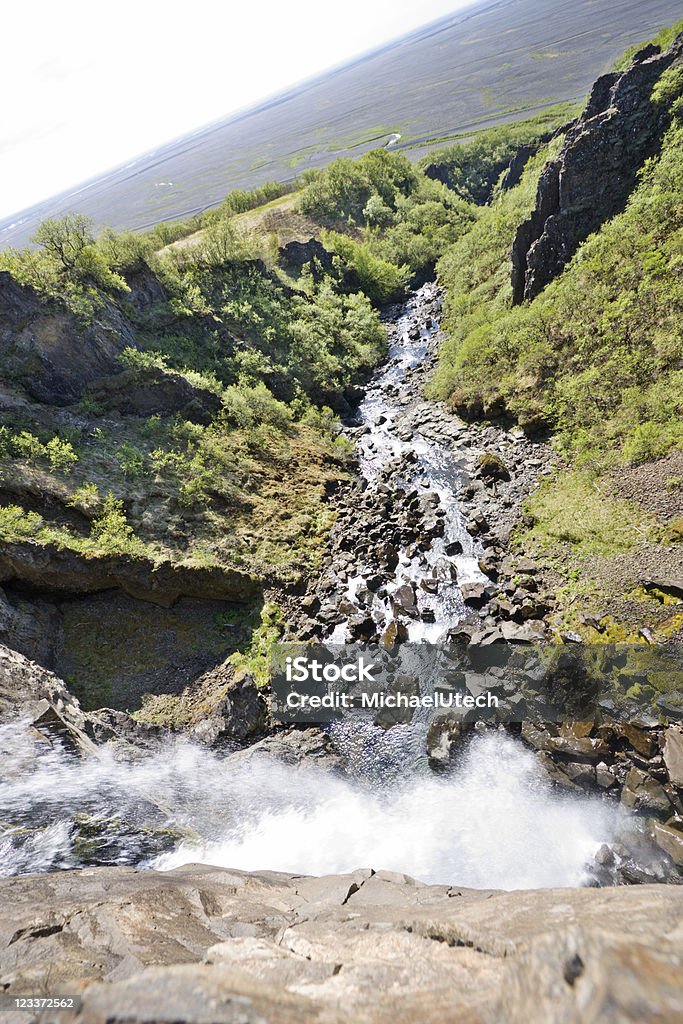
<point>203,944</point>
<point>592,178</point>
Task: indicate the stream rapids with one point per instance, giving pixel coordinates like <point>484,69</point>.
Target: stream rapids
<point>494,821</point>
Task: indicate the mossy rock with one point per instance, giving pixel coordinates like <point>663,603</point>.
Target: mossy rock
<point>492,467</point>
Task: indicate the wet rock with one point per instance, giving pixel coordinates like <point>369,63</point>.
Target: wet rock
<point>570,741</point>
<point>604,776</point>
<point>31,693</point>
<point>670,839</point>
<point>387,555</point>
<point>241,715</point>
<point>362,627</point>
<point>374,582</point>
<point>445,736</point>
<point>404,599</point>
<point>673,754</point>
<point>474,594</point>
<point>294,746</point>
<point>642,793</point>
<point>605,856</point>
<point>582,774</point>
<point>641,739</point>
<point>395,633</point>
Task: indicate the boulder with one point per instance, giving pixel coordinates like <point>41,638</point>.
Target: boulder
<point>241,715</point>
<point>670,839</point>
<point>643,793</point>
<point>395,633</point>
<point>474,594</point>
<point>529,633</point>
<point>30,693</point>
<point>492,467</point>
<point>403,599</point>
<point>672,585</point>
<point>673,754</point>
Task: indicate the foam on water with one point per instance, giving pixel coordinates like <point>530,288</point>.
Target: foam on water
<point>495,822</point>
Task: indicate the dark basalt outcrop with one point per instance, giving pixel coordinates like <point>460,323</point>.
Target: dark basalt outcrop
<point>592,178</point>
<point>146,290</point>
<point>144,392</point>
<point>48,568</point>
<point>49,352</point>
<point>296,255</point>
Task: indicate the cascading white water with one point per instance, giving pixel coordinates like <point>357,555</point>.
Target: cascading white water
<point>436,464</point>
<point>493,822</point>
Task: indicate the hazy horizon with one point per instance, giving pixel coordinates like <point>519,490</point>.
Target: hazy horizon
<point>84,108</point>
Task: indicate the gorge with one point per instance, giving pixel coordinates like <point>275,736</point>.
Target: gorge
<point>432,410</point>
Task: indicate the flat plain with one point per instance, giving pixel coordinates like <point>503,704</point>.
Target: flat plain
<point>491,62</point>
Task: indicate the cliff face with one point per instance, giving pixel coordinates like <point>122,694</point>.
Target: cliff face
<point>49,352</point>
<point>592,178</point>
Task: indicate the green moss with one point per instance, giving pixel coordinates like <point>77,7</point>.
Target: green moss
<point>164,709</point>
<point>255,660</point>
<point>673,532</point>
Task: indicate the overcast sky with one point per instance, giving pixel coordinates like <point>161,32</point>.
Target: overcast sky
<point>87,85</point>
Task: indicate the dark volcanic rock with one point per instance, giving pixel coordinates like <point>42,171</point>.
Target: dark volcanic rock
<point>295,256</point>
<point>242,714</point>
<point>146,290</point>
<point>47,568</point>
<point>594,174</point>
<point>154,390</point>
<point>49,352</point>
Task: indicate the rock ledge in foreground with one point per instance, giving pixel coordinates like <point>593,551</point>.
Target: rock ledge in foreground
<point>203,944</point>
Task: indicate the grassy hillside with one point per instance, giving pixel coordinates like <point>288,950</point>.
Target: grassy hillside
<point>265,343</point>
<point>595,361</point>
<point>596,357</point>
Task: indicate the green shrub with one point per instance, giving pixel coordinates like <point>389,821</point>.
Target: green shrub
<point>381,280</point>
<point>111,531</point>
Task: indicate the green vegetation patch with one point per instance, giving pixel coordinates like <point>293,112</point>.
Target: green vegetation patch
<point>572,510</point>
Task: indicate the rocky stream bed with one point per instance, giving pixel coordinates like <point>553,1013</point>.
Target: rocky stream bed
<point>420,552</point>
